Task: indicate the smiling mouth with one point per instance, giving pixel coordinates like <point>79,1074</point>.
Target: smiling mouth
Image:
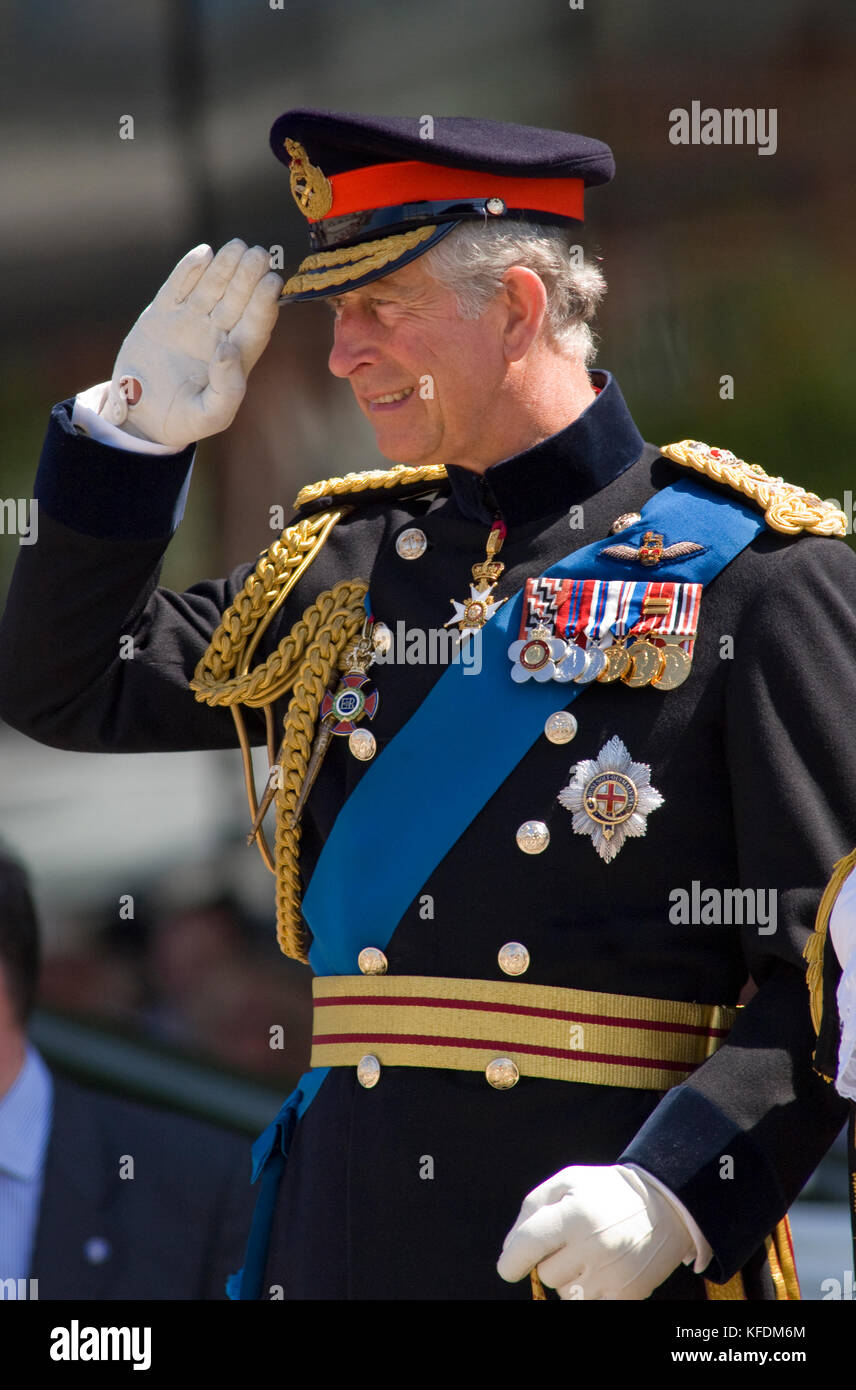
<point>391,398</point>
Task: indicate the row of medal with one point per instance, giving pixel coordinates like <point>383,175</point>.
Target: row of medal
<point>586,630</point>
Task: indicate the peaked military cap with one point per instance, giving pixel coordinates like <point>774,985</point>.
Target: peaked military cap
<point>378,191</point>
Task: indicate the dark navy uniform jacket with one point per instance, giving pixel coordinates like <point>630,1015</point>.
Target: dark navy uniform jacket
<point>753,756</point>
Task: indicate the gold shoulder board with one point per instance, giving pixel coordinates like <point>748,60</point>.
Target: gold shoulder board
<point>787,507</point>
<point>372,481</point>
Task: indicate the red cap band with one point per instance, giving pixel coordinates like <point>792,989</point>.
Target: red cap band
<point>412,181</point>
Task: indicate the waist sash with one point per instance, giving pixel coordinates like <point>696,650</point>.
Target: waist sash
<point>546,1031</point>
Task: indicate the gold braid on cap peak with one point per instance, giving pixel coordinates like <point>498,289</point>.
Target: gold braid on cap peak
<point>337,267</point>
<point>787,507</point>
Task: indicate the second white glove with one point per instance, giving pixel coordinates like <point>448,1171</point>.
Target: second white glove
<point>596,1233</point>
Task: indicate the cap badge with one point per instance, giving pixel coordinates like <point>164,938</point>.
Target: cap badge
<point>311,189</point>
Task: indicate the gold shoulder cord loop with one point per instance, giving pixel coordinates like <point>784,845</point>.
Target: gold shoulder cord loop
<point>326,631</point>
<point>305,661</point>
<point>231,648</point>
<point>243,624</point>
<point>223,677</point>
<point>336,618</point>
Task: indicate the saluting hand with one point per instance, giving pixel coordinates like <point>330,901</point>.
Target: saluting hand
<point>182,371</point>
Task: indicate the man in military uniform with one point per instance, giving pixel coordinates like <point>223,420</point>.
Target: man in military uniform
<point>528,879</point>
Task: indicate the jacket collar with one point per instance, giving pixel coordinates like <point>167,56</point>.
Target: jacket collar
<point>560,471</point>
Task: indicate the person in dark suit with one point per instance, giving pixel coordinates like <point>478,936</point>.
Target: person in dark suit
<point>101,1198</point>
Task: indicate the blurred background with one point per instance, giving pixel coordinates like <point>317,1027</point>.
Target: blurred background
<point>162,974</point>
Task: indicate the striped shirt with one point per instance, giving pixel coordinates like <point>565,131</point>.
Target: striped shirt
<point>25,1125</point>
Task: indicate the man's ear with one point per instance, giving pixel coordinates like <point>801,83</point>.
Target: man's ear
<point>526,300</point>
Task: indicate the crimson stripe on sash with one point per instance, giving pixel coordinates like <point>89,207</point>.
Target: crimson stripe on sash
<point>422,1039</point>
<point>657,1026</point>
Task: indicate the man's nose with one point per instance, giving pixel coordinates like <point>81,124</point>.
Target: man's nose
<point>354,341</point>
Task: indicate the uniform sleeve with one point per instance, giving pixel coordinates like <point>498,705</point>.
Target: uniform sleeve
<point>93,655</point>
<point>739,1139</point>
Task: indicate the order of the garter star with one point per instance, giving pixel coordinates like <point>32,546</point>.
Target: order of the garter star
<point>610,798</point>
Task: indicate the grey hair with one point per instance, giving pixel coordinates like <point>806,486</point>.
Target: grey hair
<point>471,260</point>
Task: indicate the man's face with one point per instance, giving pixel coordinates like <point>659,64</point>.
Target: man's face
<point>401,337</point>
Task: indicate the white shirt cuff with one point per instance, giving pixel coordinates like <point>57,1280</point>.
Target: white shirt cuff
<point>86,417</point>
<point>703,1252</point>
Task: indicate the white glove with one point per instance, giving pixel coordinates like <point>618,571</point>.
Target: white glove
<point>596,1233</point>
<point>842,932</point>
<point>182,371</point>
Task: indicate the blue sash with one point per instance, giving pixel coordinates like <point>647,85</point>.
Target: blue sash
<point>485,724</point>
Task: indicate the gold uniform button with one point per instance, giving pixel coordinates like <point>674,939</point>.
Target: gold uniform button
<point>368,1071</point>
<point>411,543</point>
<point>513,958</point>
<point>560,727</point>
<point>533,837</point>
<point>502,1073</point>
<point>372,961</point>
<point>622,522</point>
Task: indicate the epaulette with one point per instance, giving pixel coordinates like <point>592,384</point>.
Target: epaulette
<point>374,485</point>
<point>786,507</point>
